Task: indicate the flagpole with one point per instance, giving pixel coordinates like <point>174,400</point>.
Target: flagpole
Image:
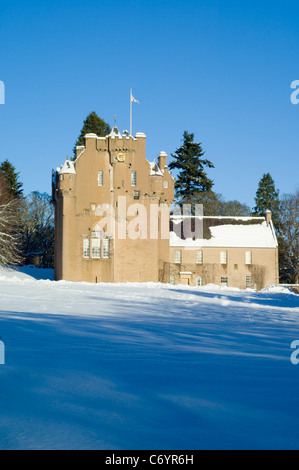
<point>131,111</point>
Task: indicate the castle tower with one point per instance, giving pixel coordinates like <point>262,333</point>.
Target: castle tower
<point>105,204</point>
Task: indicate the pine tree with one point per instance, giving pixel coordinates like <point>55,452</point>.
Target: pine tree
<point>92,124</point>
<point>267,197</point>
<point>12,179</point>
<point>192,179</point>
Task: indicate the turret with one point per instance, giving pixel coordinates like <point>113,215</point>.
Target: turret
<point>162,160</point>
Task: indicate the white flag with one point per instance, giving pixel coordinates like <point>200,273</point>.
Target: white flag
<point>133,99</point>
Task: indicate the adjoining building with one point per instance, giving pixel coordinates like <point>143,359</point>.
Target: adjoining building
<point>113,224</point>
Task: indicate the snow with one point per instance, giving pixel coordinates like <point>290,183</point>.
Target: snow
<point>245,236</point>
<point>146,366</point>
<point>154,169</point>
<point>67,168</point>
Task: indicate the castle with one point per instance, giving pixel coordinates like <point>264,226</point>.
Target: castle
<point>113,224</point>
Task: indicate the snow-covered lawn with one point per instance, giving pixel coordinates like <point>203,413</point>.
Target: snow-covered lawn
<point>146,366</point>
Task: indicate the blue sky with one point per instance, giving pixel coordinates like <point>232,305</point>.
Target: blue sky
<point>220,69</point>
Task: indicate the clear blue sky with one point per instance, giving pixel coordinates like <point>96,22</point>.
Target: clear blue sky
<point>220,69</point>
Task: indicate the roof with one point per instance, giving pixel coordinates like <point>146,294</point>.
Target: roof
<point>68,167</point>
<point>115,133</point>
<point>154,169</point>
<point>226,233</point>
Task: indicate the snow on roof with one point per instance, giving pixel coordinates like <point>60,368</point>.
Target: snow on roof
<point>139,134</point>
<point>115,133</point>
<point>259,235</point>
<point>91,135</point>
<point>68,167</point>
<point>154,169</point>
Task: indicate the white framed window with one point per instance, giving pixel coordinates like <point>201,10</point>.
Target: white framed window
<point>199,281</point>
<point>106,248</point>
<point>86,247</point>
<point>165,184</point>
<point>100,178</point>
<point>95,247</point>
<point>133,178</point>
<point>178,256</point>
<point>248,282</point>
<point>224,282</point>
<point>199,257</point>
<point>223,257</point>
<point>61,177</point>
<point>172,280</point>
<point>248,257</point>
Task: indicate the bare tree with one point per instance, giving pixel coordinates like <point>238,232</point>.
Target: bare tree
<point>38,230</point>
<point>288,238</point>
<point>9,226</point>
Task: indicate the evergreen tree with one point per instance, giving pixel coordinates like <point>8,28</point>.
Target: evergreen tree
<point>267,197</point>
<point>12,179</point>
<point>92,124</point>
<point>192,179</point>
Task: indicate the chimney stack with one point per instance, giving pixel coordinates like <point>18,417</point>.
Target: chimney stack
<point>268,216</point>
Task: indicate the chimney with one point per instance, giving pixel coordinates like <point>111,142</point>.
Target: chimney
<point>162,160</point>
<point>268,216</point>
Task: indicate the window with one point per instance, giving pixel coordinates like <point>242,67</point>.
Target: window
<point>199,282</point>
<point>133,178</point>
<point>96,234</point>
<point>248,282</point>
<point>86,247</point>
<point>177,256</point>
<point>172,280</point>
<point>106,248</point>
<point>223,281</point>
<point>100,178</point>
<point>93,207</point>
<point>199,257</point>
<point>96,248</point>
<point>165,184</point>
<point>136,194</point>
<point>248,257</point>
<point>223,257</point>
<point>61,177</point>
<point>70,177</point>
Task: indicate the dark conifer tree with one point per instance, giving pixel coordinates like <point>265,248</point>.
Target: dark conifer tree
<point>92,124</point>
<point>192,179</point>
<point>12,179</point>
<point>267,197</point>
